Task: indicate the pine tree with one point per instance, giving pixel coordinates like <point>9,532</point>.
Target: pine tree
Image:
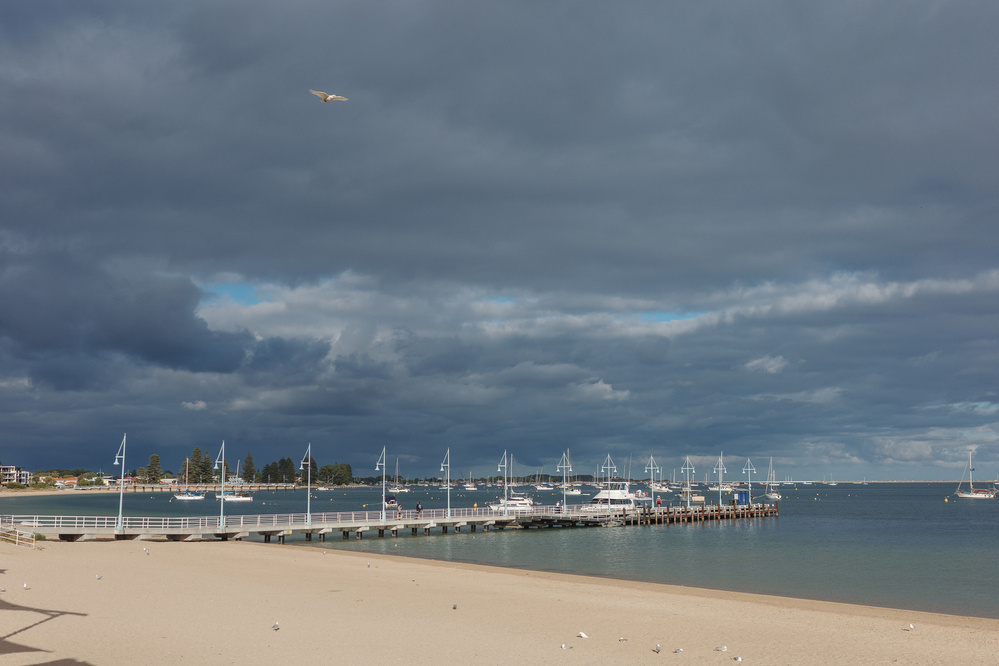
<point>153,470</point>
<point>249,472</point>
<point>288,470</point>
<point>203,469</point>
<point>270,473</point>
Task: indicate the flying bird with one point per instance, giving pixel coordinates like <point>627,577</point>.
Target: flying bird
<point>327,97</point>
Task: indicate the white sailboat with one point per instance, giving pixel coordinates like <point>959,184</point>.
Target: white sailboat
<point>972,492</point>
<point>234,495</point>
<point>771,493</point>
<point>398,488</point>
<point>187,493</point>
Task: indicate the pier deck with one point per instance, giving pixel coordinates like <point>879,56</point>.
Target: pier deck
<point>356,523</point>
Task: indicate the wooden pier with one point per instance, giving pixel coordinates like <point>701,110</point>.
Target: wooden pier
<point>355,523</point>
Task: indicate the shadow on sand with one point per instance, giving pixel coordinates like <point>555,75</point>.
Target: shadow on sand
<point>9,647</point>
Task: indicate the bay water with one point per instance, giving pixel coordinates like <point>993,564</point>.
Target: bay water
<point>899,545</point>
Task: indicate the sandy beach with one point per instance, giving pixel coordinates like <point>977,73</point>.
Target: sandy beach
<point>110,602</point>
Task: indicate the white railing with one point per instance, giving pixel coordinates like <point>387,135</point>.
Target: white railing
<point>345,518</point>
<point>17,537</point>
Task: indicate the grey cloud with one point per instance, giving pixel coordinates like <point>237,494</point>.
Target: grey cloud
<point>611,227</point>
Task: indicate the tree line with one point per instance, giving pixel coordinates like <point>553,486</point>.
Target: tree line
<point>199,467</point>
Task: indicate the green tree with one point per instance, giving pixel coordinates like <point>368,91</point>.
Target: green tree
<point>249,472</point>
<point>205,467</point>
<point>342,474</point>
<point>326,474</point>
<point>288,470</point>
<point>153,470</point>
<point>270,473</point>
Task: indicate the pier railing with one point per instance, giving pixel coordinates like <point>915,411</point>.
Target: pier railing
<point>281,521</point>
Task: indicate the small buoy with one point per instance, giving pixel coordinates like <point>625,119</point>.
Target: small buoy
<point>945,499</point>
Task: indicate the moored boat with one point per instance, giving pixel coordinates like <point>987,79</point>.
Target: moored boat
<point>972,492</point>
<point>617,497</point>
<point>515,503</point>
<point>771,493</point>
<point>187,493</point>
<point>230,496</point>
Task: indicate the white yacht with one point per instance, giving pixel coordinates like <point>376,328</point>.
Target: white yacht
<point>230,496</point>
<point>516,503</point>
<point>616,496</point>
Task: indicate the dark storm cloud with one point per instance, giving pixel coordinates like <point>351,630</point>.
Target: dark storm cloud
<point>55,305</point>
<point>766,228</point>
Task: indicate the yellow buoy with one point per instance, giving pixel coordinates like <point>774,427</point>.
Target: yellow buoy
<point>945,499</point>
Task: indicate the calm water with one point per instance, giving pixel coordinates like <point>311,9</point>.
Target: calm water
<point>897,545</point>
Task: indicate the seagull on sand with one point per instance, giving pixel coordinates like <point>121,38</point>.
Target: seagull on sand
<point>327,97</point>
<point>566,647</point>
<point>276,626</point>
<point>658,648</point>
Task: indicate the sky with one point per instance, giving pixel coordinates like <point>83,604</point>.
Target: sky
<point>763,229</point>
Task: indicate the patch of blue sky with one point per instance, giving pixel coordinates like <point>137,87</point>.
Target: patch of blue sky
<point>666,316</point>
<point>243,293</point>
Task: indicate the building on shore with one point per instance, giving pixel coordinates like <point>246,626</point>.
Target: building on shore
<point>14,474</point>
